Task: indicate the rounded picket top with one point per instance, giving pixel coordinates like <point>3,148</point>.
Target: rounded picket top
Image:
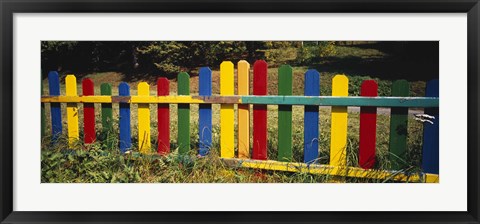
<point>71,85</point>
<point>205,81</point>
<point>260,77</point>
<point>54,83</point>
<point>163,86</point>
<point>312,83</point>
<point>340,85</point>
<point>87,86</point>
<point>369,88</point>
<point>400,88</point>
<point>143,89</point>
<point>183,80</point>
<point>106,89</point>
<point>123,89</point>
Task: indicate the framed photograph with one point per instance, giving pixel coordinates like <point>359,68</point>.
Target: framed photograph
<point>239,111</point>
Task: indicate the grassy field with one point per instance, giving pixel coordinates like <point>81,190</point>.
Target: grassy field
<point>99,163</point>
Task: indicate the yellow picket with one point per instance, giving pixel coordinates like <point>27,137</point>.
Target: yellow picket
<point>144,119</point>
<point>243,70</point>
<point>338,137</point>
<point>226,111</point>
<point>72,110</point>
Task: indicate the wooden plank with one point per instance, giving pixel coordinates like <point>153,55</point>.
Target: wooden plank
<point>55,110</point>
<point>338,136</point>
<point>259,111</point>
<point>125,141</point>
<point>243,76</point>
<point>285,153</point>
<point>163,114</point>
<point>311,122</point>
<point>144,143</point>
<point>422,102</point>
<point>335,171</point>
<point>398,127</point>
<point>227,119</point>
<point>205,112</point>
<point>430,153</point>
<point>43,118</point>
<point>107,116</point>
<point>89,134</point>
<point>183,114</point>
<point>72,110</point>
<point>368,127</point>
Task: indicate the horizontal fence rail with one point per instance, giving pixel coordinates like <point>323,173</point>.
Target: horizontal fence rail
<point>242,153</point>
<point>269,100</point>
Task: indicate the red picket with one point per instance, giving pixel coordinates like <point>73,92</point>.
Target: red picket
<point>368,127</point>
<point>88,113</point>
<point>163,118</point>
<point>260,111</point>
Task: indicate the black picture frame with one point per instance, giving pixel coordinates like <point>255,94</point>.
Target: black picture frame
<point>9,7</point>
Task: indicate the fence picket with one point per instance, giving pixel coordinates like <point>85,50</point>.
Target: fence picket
<point>368,127</point>
<point>260,111</point>
<point>107,115</point>
<point>43,117</point>
<point>163,114</point>
<point>243,70</point>
<point>226,111</point>
<point>311,122</point>
<point>125,141</point>
<point>72,110</point>
<point>183,114</point>
<point>398,127</point>
<point>144,142</point>
<point>285,115</point>
<point>55,110</point>
<point>205,112</point>
<point>430,156</point>
<point>89,135</point>
<point>338,136</point>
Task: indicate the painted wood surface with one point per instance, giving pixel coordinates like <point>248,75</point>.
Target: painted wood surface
<point>398,127</point>
<point>368,127</point>
<point>430,152</point>
<point>243,76</point>
<point>322,169</point>
<point>42,116</point>
<point>259,111</point>
<point>89,134</point>
<point>205,112</point>
<point>285,153</point>
<point>55,110</point>
<point>72,110</point>
<point>227,113</point>
<point>183,114</point>
<point>144,143</point>
<point>339,122</point>
<point>423,102</point>
<point>311,122</point>
<point>125,141</point>
<point>107,116</point>
<point>163,116</point>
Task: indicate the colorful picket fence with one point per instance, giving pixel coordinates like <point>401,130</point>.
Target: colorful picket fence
<point>368,102</point>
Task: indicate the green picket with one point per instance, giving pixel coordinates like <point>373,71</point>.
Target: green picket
<point>398,127</point>
<point>183,114</point>
<point>285,115</point>
<point>107,115</point>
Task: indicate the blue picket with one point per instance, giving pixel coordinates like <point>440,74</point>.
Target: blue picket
<point>55,110</point>
<point>124,126</point>
<point>312,88</point>
<point>205,111</point>
<point>430,154</point>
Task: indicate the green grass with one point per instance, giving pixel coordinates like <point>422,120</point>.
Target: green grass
<point>92,164</point>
